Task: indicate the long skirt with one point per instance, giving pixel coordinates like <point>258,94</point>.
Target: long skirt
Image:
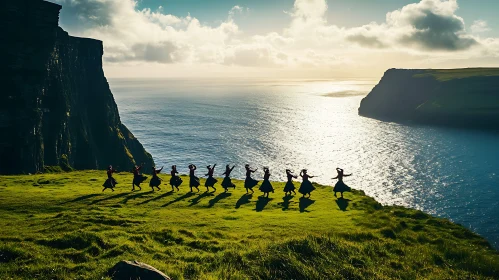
<point>289,187</point>
<point>266,186</point>
<point>249,183</point>
<point>341,187</point>
<point>175,181</point>
<point>110,183</point>
<point>306,187</point>
<point>194,181</point>
<point>227,183</point>
<point>210,182</point>
<point>155,182</point>
<point>138,179</point>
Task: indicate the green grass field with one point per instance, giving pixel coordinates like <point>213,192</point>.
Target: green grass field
<point>62,226</point>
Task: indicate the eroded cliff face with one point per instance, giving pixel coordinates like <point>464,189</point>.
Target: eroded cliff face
<point>456,97</point>
<point>56,107</point>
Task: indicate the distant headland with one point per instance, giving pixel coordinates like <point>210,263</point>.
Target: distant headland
<point>56,108</point>
<point>454,97</point>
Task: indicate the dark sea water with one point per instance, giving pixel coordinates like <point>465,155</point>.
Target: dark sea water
<point>446,172</point>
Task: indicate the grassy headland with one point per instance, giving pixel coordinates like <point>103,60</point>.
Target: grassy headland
<point>453,74</point>
<point>464,98</point>
<point>61,226</point>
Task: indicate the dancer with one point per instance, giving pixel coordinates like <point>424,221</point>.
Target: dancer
<point>306,186</point>
<point>290,187</point>
<point>138,178</point>
<point>340,186</point>
<point>175,181</point>
<point>266,186</point>
<point>249,182</point>
<point>227,182</point>
<point>193,180</point>
<point>110,182</point>
<point>210,182</point>
<point>155,180</point>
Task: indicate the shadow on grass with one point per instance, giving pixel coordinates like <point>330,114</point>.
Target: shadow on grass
<point>342,203</point>
<point>217,198</point>
<point>245,199</point>
<point>285,202</point>
<point>261,203</point>
<point>83,197</point>
<point>180,198</point>
<point>196,200</point>
<point>305,202</point>
<point>135,196</point>
<point>156,198</point>
<point>109,198</point>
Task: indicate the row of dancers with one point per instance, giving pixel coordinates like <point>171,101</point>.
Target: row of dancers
<point>266,187</point>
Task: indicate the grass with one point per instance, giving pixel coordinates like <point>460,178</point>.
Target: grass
<point>451,74</point>
<point>62,226</point>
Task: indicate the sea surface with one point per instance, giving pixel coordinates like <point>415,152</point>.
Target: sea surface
<point>314,124</point>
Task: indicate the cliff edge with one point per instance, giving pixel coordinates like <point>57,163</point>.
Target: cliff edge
<point>56,108</point>
<point>455,97</point>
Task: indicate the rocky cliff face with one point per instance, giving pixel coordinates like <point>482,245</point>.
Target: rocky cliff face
<point>458,97</point>
<point>56,108</point>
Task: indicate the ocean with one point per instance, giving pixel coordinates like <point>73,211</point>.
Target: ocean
<point>313,124</point>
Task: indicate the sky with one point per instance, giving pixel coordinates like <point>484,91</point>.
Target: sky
<point>285,38</point>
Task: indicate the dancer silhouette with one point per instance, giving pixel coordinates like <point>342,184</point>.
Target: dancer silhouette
<point>290,187</point>
<point>266,186</point>
<point>340,186</point>
<point>249,182</point>
<point>193,180</point>
<point>227,182</point>
<point>110,182</point>
<point>175,181</point>
<point>155,180</point>
<point>210,182</point>
<point>306,186</point>
<point>138,178</point>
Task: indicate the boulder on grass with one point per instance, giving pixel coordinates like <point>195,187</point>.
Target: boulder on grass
<point>127,270</point>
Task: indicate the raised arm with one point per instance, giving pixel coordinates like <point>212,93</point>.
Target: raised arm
<point>346,175</point>
<point>232,168</point>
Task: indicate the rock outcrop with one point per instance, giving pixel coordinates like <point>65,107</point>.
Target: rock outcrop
<point>56,107</point>
<point>456,97</point>
<point>127,270</point>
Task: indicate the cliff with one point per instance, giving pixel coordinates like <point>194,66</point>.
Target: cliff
<point>56,108</point>
<point>457,97</point>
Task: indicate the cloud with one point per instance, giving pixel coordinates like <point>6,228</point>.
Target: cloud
<point>366,40</point>
<point>148,36</point>
<point>432,25</point>
<point>479,26</point>
<point>426,31</point>
<point>253,56</point>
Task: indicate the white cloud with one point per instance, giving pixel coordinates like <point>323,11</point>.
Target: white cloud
<point>479,26</point>
<point>423,32</point>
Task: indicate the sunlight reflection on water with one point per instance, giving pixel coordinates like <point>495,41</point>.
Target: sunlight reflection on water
<point>292,124</point>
